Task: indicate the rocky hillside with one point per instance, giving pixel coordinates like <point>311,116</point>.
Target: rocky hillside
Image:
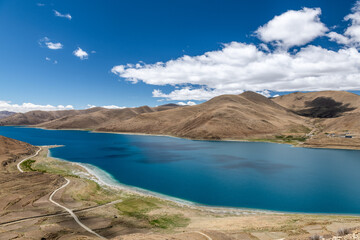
<point>11,150</point>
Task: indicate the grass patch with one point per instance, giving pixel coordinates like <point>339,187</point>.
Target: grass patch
<point>50,168</point>
<point>137,206</point>
<point>282,139</point>
<point>26,166</point>
<point>264,140</point>
<point>290,138</point>
<point>169,221</point>
<point>95,193</point>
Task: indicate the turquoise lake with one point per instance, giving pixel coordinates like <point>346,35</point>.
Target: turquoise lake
<point>231,174</point>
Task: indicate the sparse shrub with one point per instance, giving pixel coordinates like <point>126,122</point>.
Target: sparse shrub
<point>169,221</point>
<point>315,237</point>
<point>27,165</point>
<point>343,231</point>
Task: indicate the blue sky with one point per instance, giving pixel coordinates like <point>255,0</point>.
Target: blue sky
<point>116,33</point>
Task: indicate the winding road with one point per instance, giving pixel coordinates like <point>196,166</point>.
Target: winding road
<point>203,234</point>
<point>34,155</point>
<point>58,204</point>
<point>71,212</point>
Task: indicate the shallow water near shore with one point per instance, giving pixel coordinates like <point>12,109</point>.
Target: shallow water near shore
<point>229,174</point>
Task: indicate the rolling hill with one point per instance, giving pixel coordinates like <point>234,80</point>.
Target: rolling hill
<point>36,117</point>
<point>248,115</point>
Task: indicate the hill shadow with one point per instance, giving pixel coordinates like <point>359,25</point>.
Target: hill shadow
<point>324,107</point>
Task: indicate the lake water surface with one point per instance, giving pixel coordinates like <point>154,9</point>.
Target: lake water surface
<point>234,174</point>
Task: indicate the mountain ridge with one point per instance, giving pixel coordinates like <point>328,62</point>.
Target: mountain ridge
<point>298,116</point>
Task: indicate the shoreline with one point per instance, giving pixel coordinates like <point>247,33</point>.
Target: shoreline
<point>105,179</point>
<point>300,144</point>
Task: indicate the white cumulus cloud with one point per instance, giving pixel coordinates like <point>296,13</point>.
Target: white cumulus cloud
<point>106,106</point>
<point>26,107</point>
<point>199,94</point>
<point>237,67</point>
<point>336,37</point>
<point>45,42</point>
<point>58,14</point>
<point>351,36</point>
<point>81,53</point>
<point>189,103</point>
<point>54,46</point>
<point>293,28</point>
<point>112,107</point>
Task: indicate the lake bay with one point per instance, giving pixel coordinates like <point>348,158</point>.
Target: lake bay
<point>217,173</point>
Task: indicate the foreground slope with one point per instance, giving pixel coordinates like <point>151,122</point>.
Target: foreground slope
<point>21,193</point>
<point>11,150</point>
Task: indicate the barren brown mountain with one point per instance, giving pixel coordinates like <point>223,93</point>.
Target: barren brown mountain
<point>247,115</point>
<point>36,117</point>
<point>305,116</point>
<point>94,119</point>
<point>102,117</point>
